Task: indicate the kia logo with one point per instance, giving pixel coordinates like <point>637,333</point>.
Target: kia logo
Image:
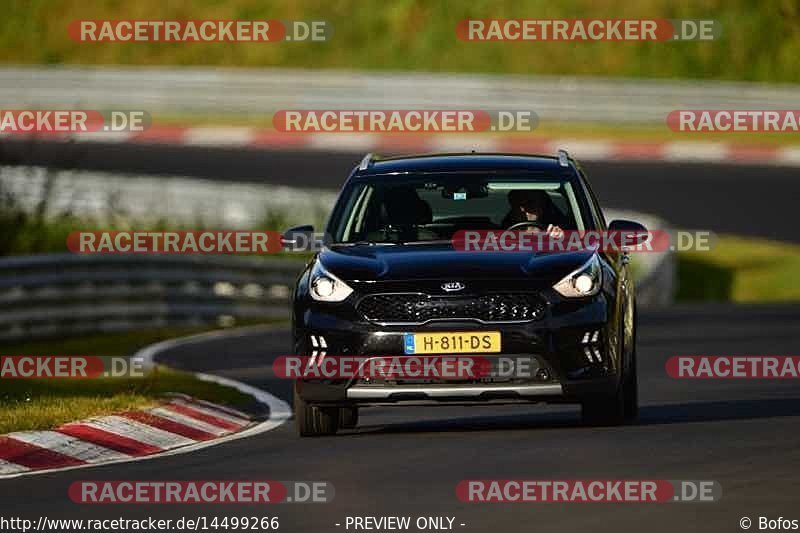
<point>452,286</point>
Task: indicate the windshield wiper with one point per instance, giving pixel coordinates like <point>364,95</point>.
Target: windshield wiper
<point>365,243</point>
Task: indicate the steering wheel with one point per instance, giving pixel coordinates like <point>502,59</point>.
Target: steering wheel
<point>528,223</point>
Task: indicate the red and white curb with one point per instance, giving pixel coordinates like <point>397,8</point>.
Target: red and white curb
<point>589,150</point>
<point>179,425</point>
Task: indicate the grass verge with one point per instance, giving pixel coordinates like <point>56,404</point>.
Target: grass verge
<point>30,404</point>
<point>759,41</point>
<point>48,403</point>
<point>740,269</point>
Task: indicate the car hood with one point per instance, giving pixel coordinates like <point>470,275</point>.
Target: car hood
<point>433,261</point>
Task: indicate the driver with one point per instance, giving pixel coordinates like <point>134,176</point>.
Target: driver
<point>532,206</point>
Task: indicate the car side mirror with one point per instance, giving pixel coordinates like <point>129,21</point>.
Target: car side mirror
<point>631,233</point>
<point>298,238</point>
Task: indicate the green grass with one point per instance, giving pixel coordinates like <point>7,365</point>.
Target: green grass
<point>760,40</point>
<point>740,269</point>
<point>27,404</point>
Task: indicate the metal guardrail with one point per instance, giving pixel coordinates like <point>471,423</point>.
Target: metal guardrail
<point>69,294</point>
<point>198,90</point>
<point>65,294</point>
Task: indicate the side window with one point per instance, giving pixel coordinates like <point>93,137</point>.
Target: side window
<point>355,223</point>
<point>594,206</point>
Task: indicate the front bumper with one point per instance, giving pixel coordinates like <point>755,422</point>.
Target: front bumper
<point>471,392</point>
<point>574,345</point>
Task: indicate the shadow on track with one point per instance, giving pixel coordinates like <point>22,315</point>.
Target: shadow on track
<point>653,415</point>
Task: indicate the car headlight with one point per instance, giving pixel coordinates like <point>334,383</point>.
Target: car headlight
<point>325,287</point>
<point>585,281</point>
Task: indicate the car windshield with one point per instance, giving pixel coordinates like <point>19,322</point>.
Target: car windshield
<point>433,208</point>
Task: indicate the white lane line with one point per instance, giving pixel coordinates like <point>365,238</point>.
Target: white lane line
<point>147,355</point>
<point>279,411</point>
<point>67,445</point>
<point>233,136</point>
<point>125,427</point>
<point>103,136</point>
<point>216,413</point>
<point>359,142</point>
<point>230,411</point>
<point>188,421</point>
<point>789,156</point>
<point>11,468</point>
<point>695,151</point>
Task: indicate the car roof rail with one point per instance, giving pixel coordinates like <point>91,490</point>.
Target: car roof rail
<point>366,162</point>
<point>563,158</point>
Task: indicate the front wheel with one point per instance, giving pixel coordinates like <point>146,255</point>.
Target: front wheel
<point>314,421</point>
<point>631,397</point>
<point>623,406</point>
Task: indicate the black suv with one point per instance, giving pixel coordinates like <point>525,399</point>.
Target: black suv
<point>389,281</point>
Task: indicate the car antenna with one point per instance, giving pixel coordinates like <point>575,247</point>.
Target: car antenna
<point>563,158</point>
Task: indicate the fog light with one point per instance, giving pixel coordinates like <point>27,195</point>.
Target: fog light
<point>596,353</point>
<point>320,347</point>
<point>318,342</point>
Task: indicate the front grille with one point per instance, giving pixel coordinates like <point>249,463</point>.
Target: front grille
<point>419,308</point>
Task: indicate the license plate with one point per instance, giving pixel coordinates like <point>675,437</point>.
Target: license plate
<point>460,342</point>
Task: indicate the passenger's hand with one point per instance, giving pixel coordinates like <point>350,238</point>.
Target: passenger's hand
<point>555,231</point>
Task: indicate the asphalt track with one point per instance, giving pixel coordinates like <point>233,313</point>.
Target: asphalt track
<point>726,198</point>
<point>407,462</point>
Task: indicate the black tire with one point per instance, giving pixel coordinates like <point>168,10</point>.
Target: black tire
<point>314,421</point>
<point>631,397</point>
<point>623,406</point>
<point>604,410</point>
<point>348,417</point>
